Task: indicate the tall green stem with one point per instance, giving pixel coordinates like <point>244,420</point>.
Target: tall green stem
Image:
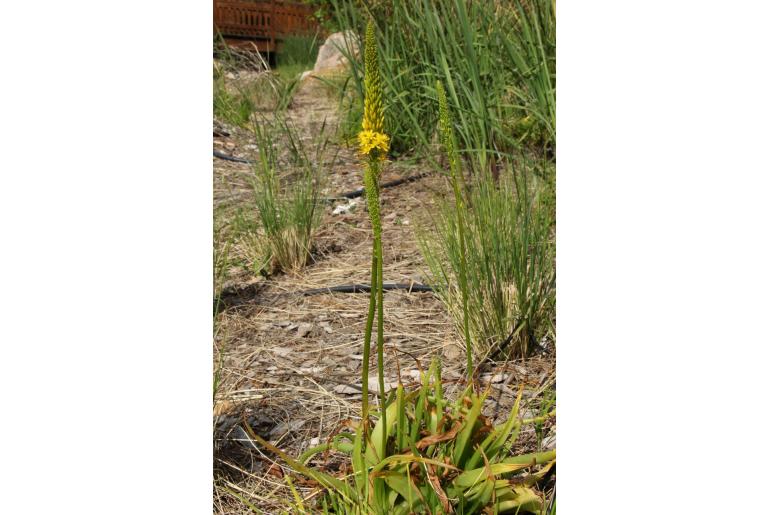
<point>380,340</point>
<point>367,346</point>
<point>371,189</point>
<point>463,280</point>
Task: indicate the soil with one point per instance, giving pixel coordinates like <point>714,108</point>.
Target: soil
<point>289,366</point>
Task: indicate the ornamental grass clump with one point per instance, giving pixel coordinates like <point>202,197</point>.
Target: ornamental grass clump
<point>508,263</point>
<point>287,206</point>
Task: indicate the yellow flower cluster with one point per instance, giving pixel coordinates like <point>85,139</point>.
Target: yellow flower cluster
<point>370,140</point>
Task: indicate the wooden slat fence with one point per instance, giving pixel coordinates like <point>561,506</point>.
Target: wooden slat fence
<point>262,21</point>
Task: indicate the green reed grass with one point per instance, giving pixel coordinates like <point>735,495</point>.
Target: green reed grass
<point>298,51</point>
<point>233,108</point>
<point>497,60</point>
<point>447,134</point>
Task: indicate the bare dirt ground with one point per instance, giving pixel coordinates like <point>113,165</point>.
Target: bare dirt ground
<point>290,365</point>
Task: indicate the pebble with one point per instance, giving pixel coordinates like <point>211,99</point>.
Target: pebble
<point>304,329</point>
<point>345,389</point>
<point>374,385</point>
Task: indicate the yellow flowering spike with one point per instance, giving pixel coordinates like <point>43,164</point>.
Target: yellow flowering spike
<point>374,117</point>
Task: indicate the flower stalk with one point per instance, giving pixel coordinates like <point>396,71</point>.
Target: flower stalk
<point>373,147</point>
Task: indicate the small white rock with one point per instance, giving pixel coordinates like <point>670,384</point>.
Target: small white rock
<point>496,378</point>
<point>345,208</point>
<point>374,385</point>
<point>304,329</point>
<point>345,389</point>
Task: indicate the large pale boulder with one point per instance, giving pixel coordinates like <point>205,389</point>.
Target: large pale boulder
<point>331,55</point>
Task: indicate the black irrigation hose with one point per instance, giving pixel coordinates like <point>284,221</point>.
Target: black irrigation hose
<point>350,194</point>
<point>360,191</point>
<point>224,156</point>
<point>228,300</point>
<point>365,288</point>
